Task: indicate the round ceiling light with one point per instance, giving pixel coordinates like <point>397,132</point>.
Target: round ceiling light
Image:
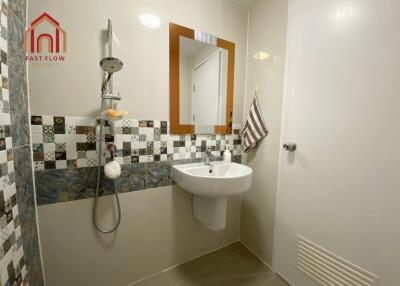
<point>149,21</point>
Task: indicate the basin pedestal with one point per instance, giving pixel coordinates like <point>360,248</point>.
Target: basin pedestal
<point>211,185</point>
<point>211,211</point>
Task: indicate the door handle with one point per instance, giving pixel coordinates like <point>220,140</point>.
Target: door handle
<point>290,146</point>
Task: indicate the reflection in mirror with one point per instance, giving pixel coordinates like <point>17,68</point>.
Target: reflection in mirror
<point>201,68</point>
<point>202,83</point>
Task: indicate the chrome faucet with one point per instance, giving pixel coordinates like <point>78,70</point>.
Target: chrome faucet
<point>207,158</point>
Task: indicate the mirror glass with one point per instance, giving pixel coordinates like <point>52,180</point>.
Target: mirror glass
<point>203,74</point>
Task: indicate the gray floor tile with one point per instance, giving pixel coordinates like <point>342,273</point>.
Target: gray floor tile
<point>156,280</point>
<point>240,281</point>
<point>276,281</point>
<point>204,278</point>
<point>266,276</point>
<point>218,257</point>
<point>233,265</point>
<point>185,271</point>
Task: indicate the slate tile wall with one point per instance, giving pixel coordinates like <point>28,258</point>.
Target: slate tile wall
<point>18,145</point>
<point>13,268</point>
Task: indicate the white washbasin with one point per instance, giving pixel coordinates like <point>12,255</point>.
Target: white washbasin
<point>210,186</point>
<point>220,179</point>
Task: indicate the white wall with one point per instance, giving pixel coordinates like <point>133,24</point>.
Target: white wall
<point>267,33</point>
<point>185,90</point>
<point>73,87</point>
<point>157,231</point>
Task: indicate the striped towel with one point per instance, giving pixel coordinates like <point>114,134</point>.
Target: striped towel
<point>254,128</point>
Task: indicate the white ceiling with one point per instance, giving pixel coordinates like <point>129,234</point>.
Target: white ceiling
<point>245,3</point>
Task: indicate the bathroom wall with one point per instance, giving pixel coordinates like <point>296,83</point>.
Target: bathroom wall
<point>267,33</point>
<point>144,81</point>
<point>158,229</point>
<point>20,255</point>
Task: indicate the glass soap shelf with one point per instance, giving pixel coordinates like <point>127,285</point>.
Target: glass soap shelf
<point>110,118</point>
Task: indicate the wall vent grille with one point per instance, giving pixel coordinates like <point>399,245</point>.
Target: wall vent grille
<point>328,269</point>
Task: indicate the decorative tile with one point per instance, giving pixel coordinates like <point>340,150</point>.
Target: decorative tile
<point>135,141</point>
<point>60,147</point>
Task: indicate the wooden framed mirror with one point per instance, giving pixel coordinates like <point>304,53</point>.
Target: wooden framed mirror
<point>201,77</point>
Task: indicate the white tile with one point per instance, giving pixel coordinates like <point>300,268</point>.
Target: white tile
<point>118,140</point>
<point>47,120</point>
<point>59,138</point>
<point>3,157</point>
<point>85,121</point>
<point>6,94</point>
<point>81,138</point>
<point>142,145</point>
<point>10,166</point>
<point>135,145</point>
<point>3,19</point>
<point>49,147</point>
<point>36,129</point>
<point>118,123</point>
<point>91,155</point>
<point>9,143</point>
<point>61,164</point>
<point>70,121</point>
<point>70,138</point>
<point>134,123</point>
<point>3,44</point>
<point>82,163</point>
<point>9,191</point>
<point>5,118</point>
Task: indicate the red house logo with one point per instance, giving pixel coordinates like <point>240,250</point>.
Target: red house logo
<point>45,36</point>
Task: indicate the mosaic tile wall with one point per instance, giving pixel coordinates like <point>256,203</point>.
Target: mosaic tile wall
<point>13,270</point>
<point>17,187</point>
<point>70,142</point>
<point>65,156</point>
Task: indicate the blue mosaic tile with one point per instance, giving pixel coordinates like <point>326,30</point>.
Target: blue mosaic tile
<point>158,174</point>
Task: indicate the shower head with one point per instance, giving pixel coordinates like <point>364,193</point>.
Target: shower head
<point>111,65</point>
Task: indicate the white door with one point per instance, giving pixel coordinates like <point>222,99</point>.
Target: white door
<point>206,89</point>
<point>341,188</point>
